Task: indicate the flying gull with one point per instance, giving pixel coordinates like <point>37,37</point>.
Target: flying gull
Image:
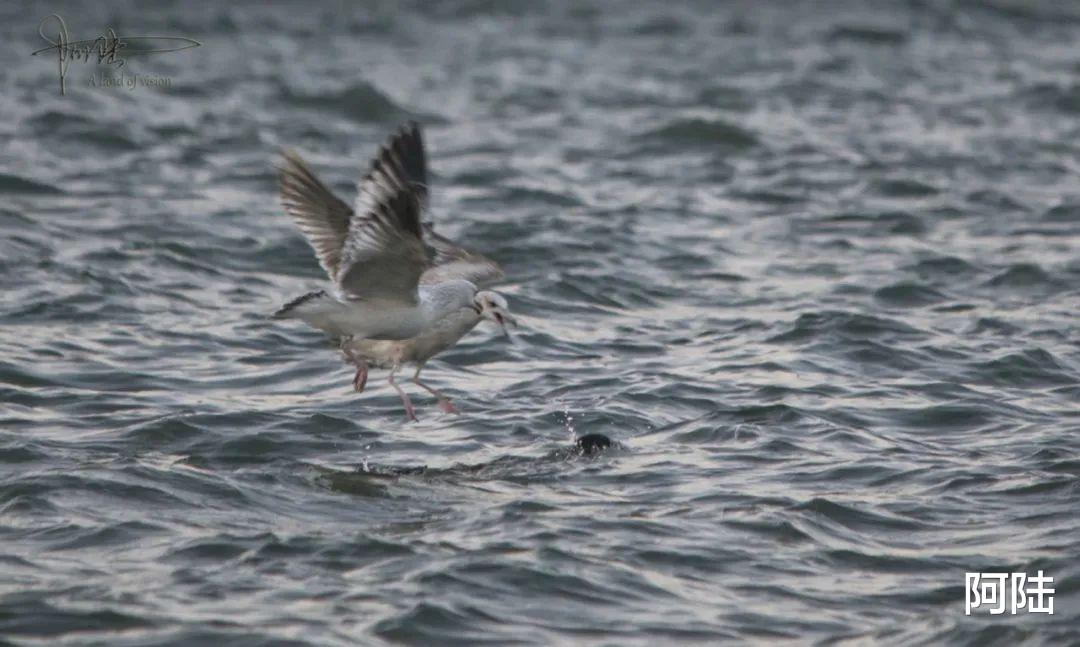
<point>402,293</point>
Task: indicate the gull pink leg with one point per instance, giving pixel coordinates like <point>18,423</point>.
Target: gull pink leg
<point>444,402</point>
<point>360,379</point>
<point>410,412</point>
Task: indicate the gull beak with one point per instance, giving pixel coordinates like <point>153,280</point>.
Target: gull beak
<point>503,319</point>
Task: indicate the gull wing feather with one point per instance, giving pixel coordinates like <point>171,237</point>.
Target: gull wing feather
<point>407,147</point>
<point>455,262</point>
<point>322,217</point>
<point>384,255</point>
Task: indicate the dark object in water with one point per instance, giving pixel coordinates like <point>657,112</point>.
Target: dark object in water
<point>591,443</point>
<point>504,467</point>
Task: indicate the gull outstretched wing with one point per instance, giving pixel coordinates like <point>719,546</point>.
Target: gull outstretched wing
<point>384,254</point>
<point>321,216</point>
<point>455,262</point>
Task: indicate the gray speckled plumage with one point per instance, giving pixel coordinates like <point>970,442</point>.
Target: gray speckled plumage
<point>388,354</point>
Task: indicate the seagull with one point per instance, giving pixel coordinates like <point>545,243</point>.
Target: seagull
<point>392,301</point>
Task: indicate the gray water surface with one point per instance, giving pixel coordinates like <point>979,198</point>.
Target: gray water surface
<point>812,266</point>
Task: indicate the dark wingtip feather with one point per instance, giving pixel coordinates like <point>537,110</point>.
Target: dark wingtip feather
<point>407,145</point>
<point>284,310</point>
<point>406,206</point>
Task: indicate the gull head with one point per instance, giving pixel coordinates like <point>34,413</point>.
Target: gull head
<point>492,306</point>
